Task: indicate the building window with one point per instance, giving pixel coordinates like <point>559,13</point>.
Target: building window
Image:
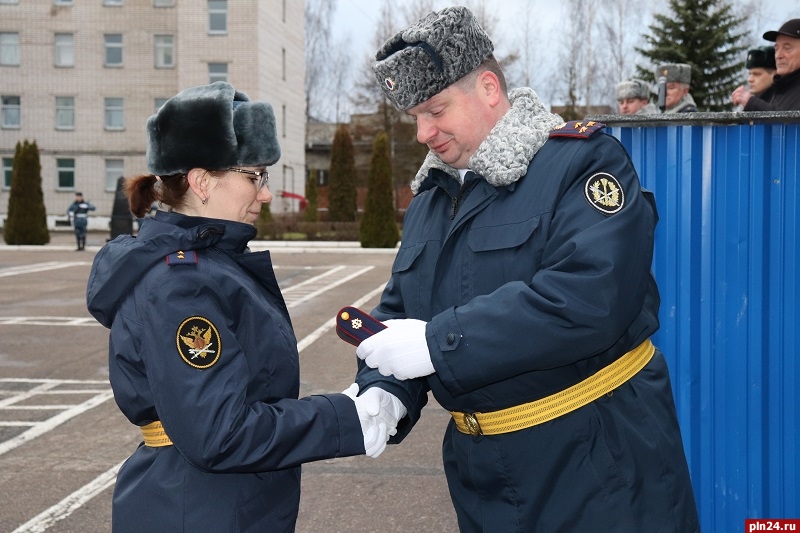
<point>165,51</point>
<point>66,173</point>
<point>113,49</point>
<point>115,114</point>
<point>65,112</point>
<point>217,72</point>
<point>10,112</point>
<point>62,2</point>
<point>112,2</point>
<point>158,103</point>
<point>8,168</point>
<point>283,120</point>
<point>115,169</point>
<point>217,16</point>
<point>9,48</point>
<point>163,3</point>
<point>64,50</point>
<point>283,64</point>
<point>9,1</point>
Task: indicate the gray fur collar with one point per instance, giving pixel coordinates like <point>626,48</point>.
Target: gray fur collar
<point>503,157</point>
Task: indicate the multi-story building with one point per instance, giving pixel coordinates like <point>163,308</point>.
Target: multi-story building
<point>81,77</point>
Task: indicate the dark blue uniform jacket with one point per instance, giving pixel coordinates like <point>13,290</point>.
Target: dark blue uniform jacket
<point>240,434</point>
<point>529,288</point>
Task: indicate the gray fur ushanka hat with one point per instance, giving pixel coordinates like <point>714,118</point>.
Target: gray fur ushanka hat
<point>213,127</point>
<point>633,88</point>
<point>675,73</point>
<point>430,55</point>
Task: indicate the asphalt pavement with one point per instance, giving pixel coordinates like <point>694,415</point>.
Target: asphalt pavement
<point>62,438</point>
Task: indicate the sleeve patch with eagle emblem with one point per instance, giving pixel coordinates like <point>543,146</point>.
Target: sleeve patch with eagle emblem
<point>198,342</point>
<point>604,193</point>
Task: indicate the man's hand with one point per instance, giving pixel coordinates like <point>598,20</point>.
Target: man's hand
<point>379,412</point>
<point>741,96</point>
<point>399,350</point>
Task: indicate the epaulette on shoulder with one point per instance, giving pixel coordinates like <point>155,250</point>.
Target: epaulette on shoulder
<point>577,129</point>
<point>182,258</point>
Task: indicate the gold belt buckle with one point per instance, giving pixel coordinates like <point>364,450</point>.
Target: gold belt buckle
<point>471,422</point>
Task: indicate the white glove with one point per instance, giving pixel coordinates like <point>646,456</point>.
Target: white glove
<point>378,411</point>
<point>399,350</point>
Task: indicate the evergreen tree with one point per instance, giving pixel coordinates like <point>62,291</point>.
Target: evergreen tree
<point>27,218</point>
<point>705,34</point>
<point>264,222</point>
<point>311,214</point>
<point>378,227</point>
<point>342,180</point>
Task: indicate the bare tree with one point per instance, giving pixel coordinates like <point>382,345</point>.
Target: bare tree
<point>318,16</point>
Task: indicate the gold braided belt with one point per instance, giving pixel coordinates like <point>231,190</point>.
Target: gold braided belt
<point>532,413</point>
<point>154,435</point>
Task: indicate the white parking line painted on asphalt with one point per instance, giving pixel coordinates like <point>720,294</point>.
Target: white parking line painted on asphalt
<point>293,303</point>
<point>39,267</point>
<point>47,321</point>
<point>71,503</point>
<point>40,428</point>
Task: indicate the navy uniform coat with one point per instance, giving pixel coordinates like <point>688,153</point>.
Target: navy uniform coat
<point>230,406</point>
<point>528,288</point>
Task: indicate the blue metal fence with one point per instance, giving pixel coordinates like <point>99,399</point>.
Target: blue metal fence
<point>727,249</point>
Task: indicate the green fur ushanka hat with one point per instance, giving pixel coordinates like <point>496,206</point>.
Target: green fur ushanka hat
<point>429,56</point>
<point>763,57</point>
<point>212,127</point>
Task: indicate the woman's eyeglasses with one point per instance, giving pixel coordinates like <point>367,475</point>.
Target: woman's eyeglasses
<point>262,175</point>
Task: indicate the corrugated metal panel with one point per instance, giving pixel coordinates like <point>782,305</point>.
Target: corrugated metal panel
<point>727,248</point>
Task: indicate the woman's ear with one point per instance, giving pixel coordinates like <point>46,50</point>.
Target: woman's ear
<point>198,182</point>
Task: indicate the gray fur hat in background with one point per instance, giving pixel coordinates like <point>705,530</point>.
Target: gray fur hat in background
<point>675,73</point>
<point>430,55</point>
<point>633,88</point>
<point>212,127</point>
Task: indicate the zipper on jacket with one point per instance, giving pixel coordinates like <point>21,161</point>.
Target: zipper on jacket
<point>455,201</point>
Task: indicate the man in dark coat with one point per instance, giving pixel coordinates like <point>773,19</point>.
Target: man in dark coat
<point>522,298</point>
<point>784,95</point>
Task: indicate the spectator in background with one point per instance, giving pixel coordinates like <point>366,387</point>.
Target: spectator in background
<point>78,212</point>
<point>678,77</point>
<point>760,66</point>
<point>633,97</point>
<point>784,94</point>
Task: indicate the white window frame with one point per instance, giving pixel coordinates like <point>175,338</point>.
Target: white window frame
<point>64,50</point>
<point>215,72</point>
<point>111,46</point>
<point>10,112</point>
<point>65,112</point>
<point>114,169</point>
<point>165,51</point>
<point>8,168</point>
<point>9,48</point>
<point>218,17</point>
<point>65,166</point>
<point>114,114</point>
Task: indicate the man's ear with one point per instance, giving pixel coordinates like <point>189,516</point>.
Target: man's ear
<point>489,87</point>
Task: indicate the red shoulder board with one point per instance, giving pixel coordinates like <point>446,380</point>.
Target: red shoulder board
<point>354,325</point>
<point>577,129</point>
<point>182,258</point>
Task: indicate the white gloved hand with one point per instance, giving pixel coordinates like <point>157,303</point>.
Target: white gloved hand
<point>399,350</point>
<point>378,411</point>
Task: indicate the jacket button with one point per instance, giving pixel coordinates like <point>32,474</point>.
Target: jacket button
<point>451,338</point>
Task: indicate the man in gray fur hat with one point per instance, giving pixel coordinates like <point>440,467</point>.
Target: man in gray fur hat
<point>633,97</point>
<point>522,298</point>
<point>678,78</point>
